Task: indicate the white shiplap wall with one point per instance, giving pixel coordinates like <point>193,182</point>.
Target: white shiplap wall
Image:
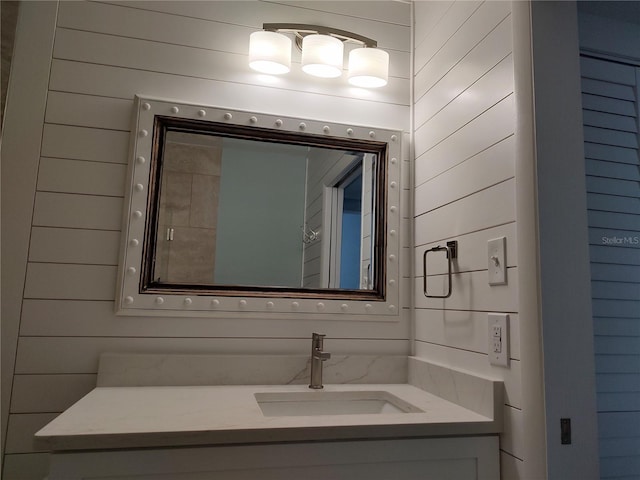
<point>464,123</point>
<point>105,53</point>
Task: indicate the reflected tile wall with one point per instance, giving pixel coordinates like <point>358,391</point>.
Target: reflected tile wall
<point>188,206</point>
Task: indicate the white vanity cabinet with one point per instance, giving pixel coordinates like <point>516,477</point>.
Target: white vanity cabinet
<point>452,458</point>
<point>125,429</point>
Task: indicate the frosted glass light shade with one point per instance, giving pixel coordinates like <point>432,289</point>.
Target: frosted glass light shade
<point>322,56</point>
<point>270,52</point>
<point>368,67</point>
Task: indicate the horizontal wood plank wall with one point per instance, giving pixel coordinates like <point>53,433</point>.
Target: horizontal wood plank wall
<point>464,120</point>
<point>105,53</point>
<point>610,117</point>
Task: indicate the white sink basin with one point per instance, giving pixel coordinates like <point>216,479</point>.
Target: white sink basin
<point>284,404</point>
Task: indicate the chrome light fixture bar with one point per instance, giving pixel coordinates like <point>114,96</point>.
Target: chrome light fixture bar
<point>301,30</point>
<point>322,53</point>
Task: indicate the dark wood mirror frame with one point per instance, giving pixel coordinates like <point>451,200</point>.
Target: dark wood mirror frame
<point>163,124</point>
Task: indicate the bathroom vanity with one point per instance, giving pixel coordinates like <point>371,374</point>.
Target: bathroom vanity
<point>136,425</point>
<point>443,458</point>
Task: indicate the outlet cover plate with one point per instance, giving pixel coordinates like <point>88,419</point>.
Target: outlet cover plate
<point>498,335</point>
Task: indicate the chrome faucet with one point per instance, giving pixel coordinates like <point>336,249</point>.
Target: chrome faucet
<point>317,357</point>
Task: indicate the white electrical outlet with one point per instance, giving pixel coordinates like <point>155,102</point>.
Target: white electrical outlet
<point>497,261</point>
<point>496,331</point>
<point>499,339</point>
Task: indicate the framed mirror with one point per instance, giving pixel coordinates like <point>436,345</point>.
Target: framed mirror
<point>232,211</point>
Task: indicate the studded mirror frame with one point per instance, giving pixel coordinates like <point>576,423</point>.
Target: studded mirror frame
<point>130,301</point>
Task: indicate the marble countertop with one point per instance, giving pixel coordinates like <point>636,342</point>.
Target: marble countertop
<point>159,416</point>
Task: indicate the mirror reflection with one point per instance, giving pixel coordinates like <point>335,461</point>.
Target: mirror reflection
<point>242,210</point>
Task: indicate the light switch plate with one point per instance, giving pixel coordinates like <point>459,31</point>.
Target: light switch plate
<point>498,332</point>
<point>497,261</point>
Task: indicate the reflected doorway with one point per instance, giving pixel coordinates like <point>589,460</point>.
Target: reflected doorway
<point>348,254</point>
<point>351,228</point>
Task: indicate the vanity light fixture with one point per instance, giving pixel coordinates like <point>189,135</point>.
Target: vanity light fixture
<point>270,52</point>
<point>322,56</point>
<point>368,67</point>
<point>322,53</point>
